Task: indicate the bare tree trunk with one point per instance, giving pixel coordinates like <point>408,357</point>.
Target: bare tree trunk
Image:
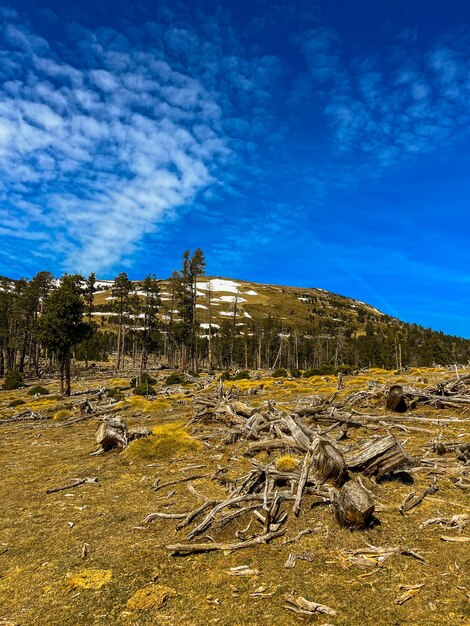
<point>62,368</point>
<point>209,295</point>
<point>67,373</point>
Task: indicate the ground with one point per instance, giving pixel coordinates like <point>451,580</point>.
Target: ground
<point>85,555</point>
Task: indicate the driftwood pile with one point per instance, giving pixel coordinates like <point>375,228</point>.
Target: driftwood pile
<point>269,493</point>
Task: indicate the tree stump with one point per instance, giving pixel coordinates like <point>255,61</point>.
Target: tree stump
<point>112,433</point>
<point>328,462</point>
<point>354,505</point>
<point>395,400</point>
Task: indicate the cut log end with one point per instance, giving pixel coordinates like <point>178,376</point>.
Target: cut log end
<point>354,506</point>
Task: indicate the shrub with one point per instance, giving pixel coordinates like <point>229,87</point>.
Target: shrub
<point>38,390</point>
<point>16,402</point>
<point>226,375</point>
<point>193,373</point>
<point>144,390</point>
<point>175,379</point>
<point>144,380</point>
<point>324,370</point>
<point>116,394</point>
<point>295,373</point>
<point>286,463</point>
<point>13,380</point>
<point>167,441</point>
<point>279,373</point>
<point>242,375</point>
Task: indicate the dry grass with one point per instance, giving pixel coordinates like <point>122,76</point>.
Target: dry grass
<point>62,414</point>
<point>286,463</point>
<point>168,441</point>
<point>89,579</point>
<point>41,553</point>
<point>150,598</point>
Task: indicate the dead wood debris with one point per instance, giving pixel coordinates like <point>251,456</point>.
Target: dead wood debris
<point>302,606</point>
<point>76,482</point>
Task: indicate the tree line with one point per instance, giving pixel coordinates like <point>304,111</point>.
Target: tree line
<point>45,324</point>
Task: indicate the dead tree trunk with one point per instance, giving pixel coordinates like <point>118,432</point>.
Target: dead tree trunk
<point>379,457</point>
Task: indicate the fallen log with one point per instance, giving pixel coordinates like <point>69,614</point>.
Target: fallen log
<point>379,457</point>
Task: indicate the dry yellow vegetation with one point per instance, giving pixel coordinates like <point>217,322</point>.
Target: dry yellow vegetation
<point>166,442</point>
<point>46,581</point>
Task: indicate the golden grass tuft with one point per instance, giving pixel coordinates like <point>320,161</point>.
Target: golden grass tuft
<point>62,414</point>
<point>286,463</point>
<point>151,597</point>
<point>90,579</point>
<point>167,441</point>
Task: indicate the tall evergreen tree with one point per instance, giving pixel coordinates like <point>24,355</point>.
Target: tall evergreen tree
<point>193,267</point>
<point>61,326</point>
<point>121,290</point>
<point>151,306</point>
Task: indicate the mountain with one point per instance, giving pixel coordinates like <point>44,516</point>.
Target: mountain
<point>310,326</point>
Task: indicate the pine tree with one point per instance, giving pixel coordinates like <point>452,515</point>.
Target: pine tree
<point>121,289</point>
<point>61,326</point>
<point>193,267</point>
<point>151,306</point>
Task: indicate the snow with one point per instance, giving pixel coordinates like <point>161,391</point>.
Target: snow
<point>200,294</point>
<point>219,284</point>
<point>110,298</point>
<point>303,299</point>
<point>231,299</point>
<point>251,293</point>
<point>246,314</point>
<point>226,313</point>
<point>205,325</point>
<point>200,306</point>
<point>137,292</point>
<point>102,313</point>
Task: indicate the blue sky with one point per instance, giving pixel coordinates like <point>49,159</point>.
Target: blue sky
<point>315,144</point>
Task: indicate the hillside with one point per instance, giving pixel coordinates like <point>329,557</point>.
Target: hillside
<point>337,328</point>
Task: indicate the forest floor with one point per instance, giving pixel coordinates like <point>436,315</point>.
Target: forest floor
<point>85,555</point>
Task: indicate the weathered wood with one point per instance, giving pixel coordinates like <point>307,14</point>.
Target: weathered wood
<point>306,607</point>
<point>268,445</point>
<point>193,548</point>
<point>240,408</point>
<point>412,500</point>
<point>378,457</point>
<point>112,433</point>
<point>395,400</point>
<point>299,432</point>
<point>76,482</point>
<point>354,505</point>
<point>328,462</point>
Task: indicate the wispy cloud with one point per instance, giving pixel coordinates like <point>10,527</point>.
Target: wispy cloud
<point>102,140</point>
<point>404,103</point>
